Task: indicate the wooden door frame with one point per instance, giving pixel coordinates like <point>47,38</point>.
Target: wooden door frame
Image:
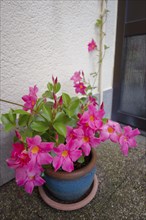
<point>117,115</point>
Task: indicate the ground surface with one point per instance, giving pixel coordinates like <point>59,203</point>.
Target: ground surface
<point>120,195</point>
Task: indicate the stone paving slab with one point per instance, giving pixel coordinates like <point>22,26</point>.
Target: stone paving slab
<point>120,196</point>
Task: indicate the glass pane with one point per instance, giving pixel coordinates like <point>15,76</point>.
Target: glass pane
<point>133,83</point>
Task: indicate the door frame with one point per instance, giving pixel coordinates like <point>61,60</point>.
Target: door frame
<point>123,30</point>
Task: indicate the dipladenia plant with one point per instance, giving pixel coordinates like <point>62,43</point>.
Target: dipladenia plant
<point>60,130</point>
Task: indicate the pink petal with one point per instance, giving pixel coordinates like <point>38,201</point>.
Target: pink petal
<point>44,158</point>
<point>79,132</point>
<point>13,163</point>
<point>21,176</point>
<point>94,142</point>
<point>114,137</point>
<point>68,165</point>
<point>132,142</point>
<point>86,149</point>
<point>29,187</point>
<point>124,149</point>
<point>135,132</point>
<point>39,181</point>
<point>127,129</point>
<point>59,149</point>
<point>47,146</point>
<point>18,148</point>
<point>75,155</point>
<point>57,162</point>
<point>76,77</point>
<point>33,161</point>
<point>73,145</point>
<point>34,141</point>
<point>26,98</point>
<point>33,90</point>
<point>104,135</point>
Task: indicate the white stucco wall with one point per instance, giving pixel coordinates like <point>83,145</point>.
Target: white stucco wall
<point>43,38</point>
<point>110,30</point>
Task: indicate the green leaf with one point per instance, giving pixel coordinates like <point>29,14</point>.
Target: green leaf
<point>5,119</point>
<point>99,22</point>
<point>57,87</point>
<point>8,124</point>
<point>48,136</point>
<point>50,86</point>
<point>72,122</point>
<point>21,112</point>
<point>88,88</point>
<point>81,159</point>
<point>74,103</point>
<point>106,47</point>
<point>60,128</point>
<point>39,126</point>
<point>61,139</point>
<point>23,120</point>
<point>12,117</point>
<point>48,94</point>
<point>105,120</point>
<point>39,104</point>
<point>9,127</point>
<point>66,99</point>
<point>73,108</point>
<point>83,100</point>
<point>60,117</point>
<point>26,133</point>
<point>47,113</point>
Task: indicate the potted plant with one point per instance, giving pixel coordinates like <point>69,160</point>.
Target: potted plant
<point>55,140</point>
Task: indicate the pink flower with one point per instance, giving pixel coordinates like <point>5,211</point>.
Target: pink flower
<point>33,90</point>
<point>70,134</point>
<point>110,130</point>
<point>18,135</point>
<point>92,46</point>
<point>55,80</point>
<point>76,77</point>
<point>39,151</point>
<point>92,101</point>
<point>55,101</point>
<point>92,118</point>
<point>80,88</point>
<point>60,101</point>
<point>30,99</point>
<point>87,139</point>
<point>127,139</point>
<point>29,178</point>
<point>19,156</point>
<point>66,155</point>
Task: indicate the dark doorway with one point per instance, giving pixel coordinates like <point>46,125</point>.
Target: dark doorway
<point>129,85</point>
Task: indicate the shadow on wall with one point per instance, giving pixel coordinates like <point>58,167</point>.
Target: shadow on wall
<point>6,141</point>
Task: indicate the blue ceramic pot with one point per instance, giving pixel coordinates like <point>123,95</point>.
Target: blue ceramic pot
<point>71,187</point>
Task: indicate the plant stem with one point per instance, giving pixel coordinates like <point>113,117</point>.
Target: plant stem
<point>101,53</point>
<point>100,57</point>
<point>13,103</point>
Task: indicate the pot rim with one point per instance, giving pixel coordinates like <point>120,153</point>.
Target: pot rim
<point>76,173</point>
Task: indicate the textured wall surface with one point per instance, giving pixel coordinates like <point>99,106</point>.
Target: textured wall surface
<point>110,30</point>
<point>41,38</point>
